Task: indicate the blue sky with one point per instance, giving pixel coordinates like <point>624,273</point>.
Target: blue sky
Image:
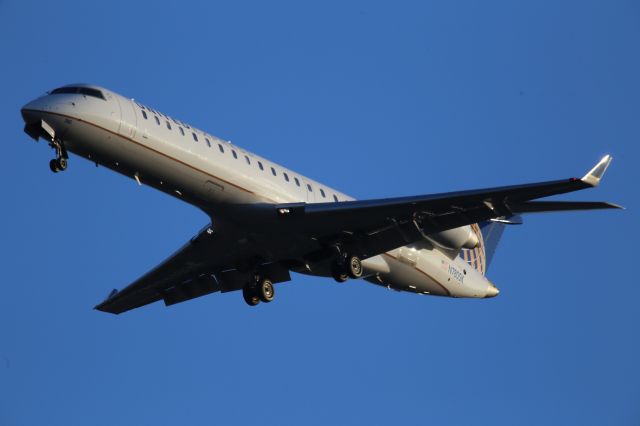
<point>376,99</point>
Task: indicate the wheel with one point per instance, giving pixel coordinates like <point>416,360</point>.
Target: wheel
<point>250,296</point>
<point>354,267</point>
<point>340,277</point>
<point>266,292</point>
<point>53,165</point>
<point>338,274</point>
<point>62,163</point>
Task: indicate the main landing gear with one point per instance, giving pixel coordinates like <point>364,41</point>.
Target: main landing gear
<point>347,266</point>
<point>261,291</point>
<point>59,163</point>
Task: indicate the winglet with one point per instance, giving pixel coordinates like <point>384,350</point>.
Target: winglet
<point>593,177</point>
<point>110,295</point>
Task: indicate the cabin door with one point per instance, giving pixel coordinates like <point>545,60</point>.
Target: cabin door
<point>128,118</point>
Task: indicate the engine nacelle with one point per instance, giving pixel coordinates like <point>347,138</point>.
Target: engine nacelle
<point>455,239</point>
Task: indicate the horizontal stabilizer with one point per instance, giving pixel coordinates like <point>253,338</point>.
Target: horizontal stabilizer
<point>593,177</point>
<point>508,220</point>
<point>557,206</point>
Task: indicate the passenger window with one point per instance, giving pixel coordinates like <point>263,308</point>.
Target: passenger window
<point>286,177</point>
<point>235,155</point>
<point>181,131</point>
<point>144,114</point>
<point>309,188</point>
<point>157,119</point>
<point>168,125</point>
<point>297,181</point>
<point>247,158</point>
<point>335,198</point>
<point>322,193</point>
<point>260,165</point>
<point>195,137</point>
<point>221,148</point>
<point>208,142</point>
<point>273,171</point>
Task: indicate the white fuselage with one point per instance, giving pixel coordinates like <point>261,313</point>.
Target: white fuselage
<point>218,176</point>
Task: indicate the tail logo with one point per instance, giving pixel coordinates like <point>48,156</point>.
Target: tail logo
<point>476,257</point>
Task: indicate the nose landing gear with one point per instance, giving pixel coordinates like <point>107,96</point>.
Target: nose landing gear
<point>59,163</point>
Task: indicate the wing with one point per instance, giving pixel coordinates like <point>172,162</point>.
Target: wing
<point>370,227</point>
<point>211,261</point>
<point>294,236</point>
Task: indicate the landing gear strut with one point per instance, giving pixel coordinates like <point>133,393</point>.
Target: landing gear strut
<point>59,163</point>
<point>261,291</point>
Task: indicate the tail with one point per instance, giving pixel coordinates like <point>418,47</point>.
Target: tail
<point>489,234</point>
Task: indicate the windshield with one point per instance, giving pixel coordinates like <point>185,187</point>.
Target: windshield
<point>87,91</point>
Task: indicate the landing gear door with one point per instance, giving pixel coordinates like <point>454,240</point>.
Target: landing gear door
<point>128,118</point>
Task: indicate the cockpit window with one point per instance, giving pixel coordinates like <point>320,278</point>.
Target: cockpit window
<point>87,91</point>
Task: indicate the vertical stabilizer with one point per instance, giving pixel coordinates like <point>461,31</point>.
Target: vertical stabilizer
<point>491,234</point>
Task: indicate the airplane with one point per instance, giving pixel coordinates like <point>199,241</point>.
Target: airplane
<point>268,221</point>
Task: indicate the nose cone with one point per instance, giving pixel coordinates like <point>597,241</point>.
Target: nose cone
<point>34,115</point>
<point>39,104</point>
<point>31,112</point>
<point>492,291</point>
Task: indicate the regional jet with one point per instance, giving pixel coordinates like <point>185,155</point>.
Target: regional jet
<point>268,221</point>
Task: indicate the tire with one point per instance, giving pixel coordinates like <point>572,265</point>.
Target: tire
<point>250,296</point>
<point>354,267</point>
<point>266,292</point>
<point>340,278</point>
<point>53,165</point>
<point>339,274</point>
